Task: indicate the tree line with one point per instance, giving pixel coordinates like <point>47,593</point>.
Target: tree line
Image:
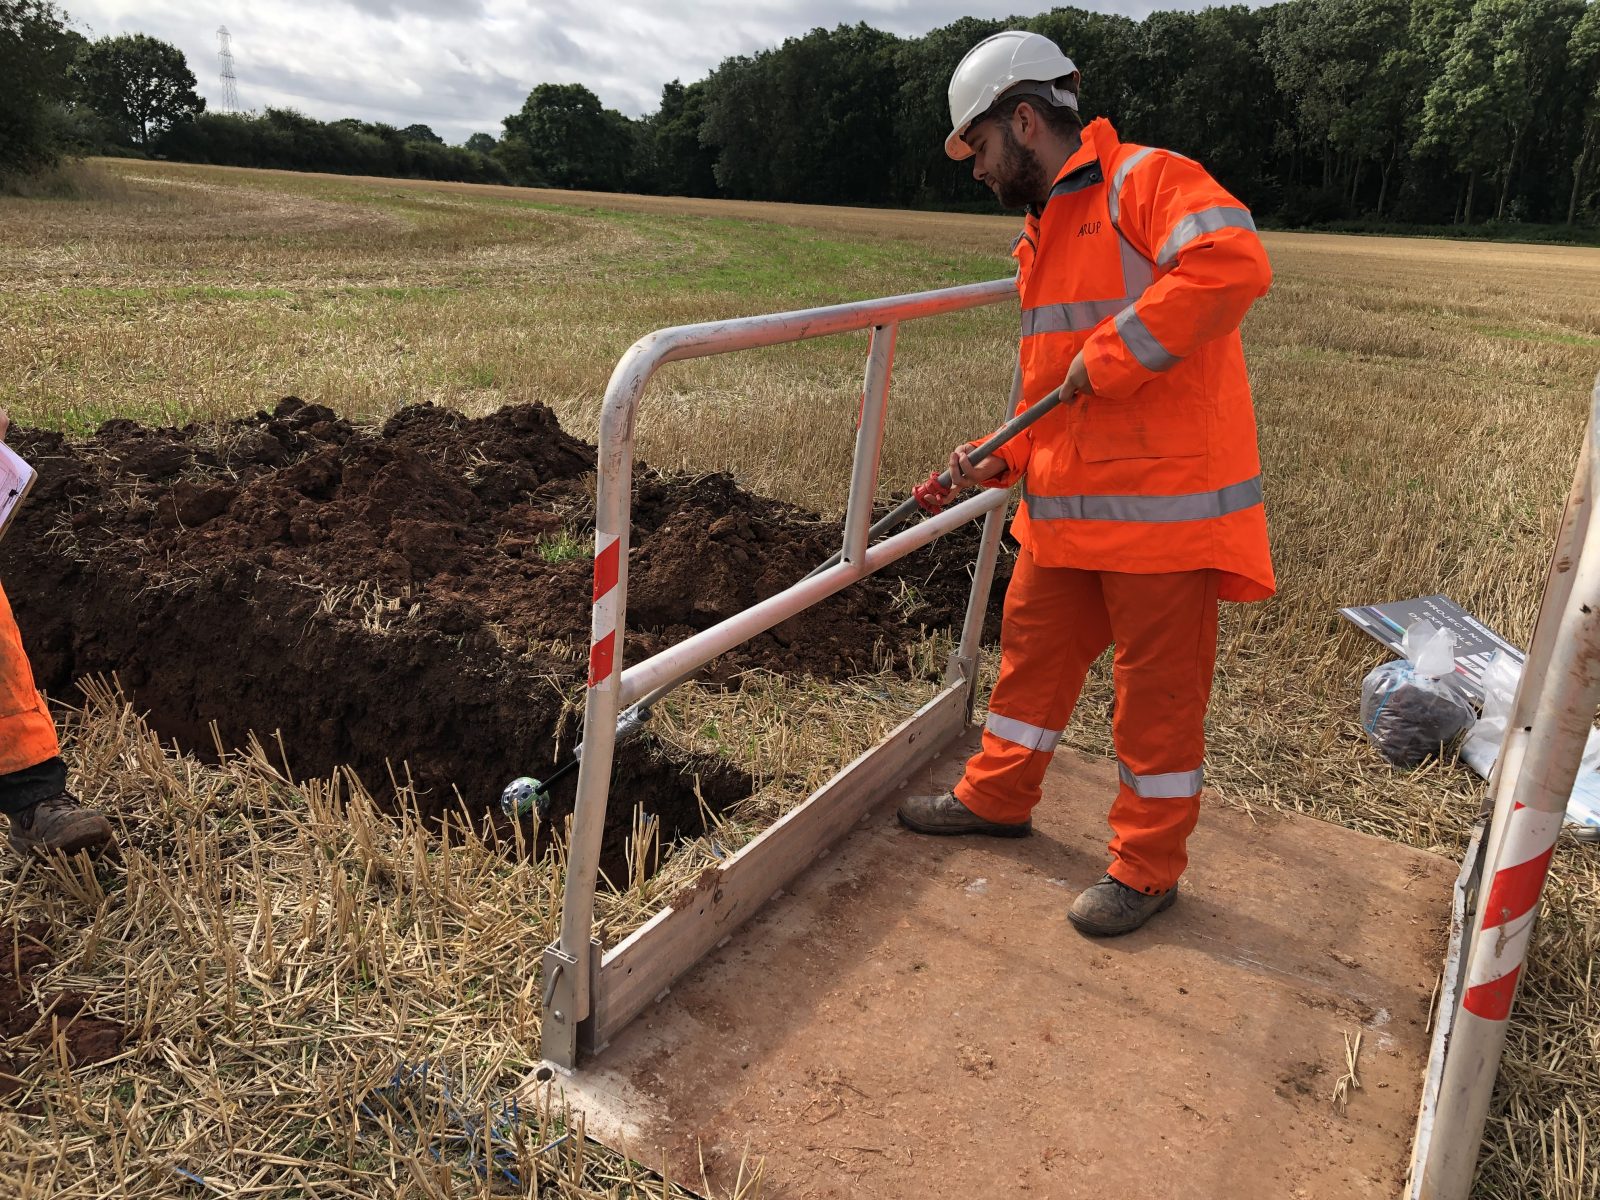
<point>1312,111</point>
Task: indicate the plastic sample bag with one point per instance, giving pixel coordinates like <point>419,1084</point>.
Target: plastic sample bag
<point>1408,709</point>
<point>1481,747</point>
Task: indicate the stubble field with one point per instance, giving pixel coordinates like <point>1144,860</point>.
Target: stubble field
<point>279,958</point>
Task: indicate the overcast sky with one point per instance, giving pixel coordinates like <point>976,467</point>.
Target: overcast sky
<point>462,65</point>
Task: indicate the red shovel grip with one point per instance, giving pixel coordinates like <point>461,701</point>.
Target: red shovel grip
<point>929,495</point>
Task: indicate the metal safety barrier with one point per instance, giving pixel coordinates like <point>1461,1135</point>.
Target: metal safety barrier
<point>1508,862</point>
<point>590,995</point>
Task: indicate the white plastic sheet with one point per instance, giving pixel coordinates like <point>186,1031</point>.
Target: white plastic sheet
<point>1481,747</point>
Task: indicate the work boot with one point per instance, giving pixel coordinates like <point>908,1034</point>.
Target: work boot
<point>1111,907</point>
<point>58,822</point>
<point>945,814</point>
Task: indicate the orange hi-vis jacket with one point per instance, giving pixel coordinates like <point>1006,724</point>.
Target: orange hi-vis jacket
<point>1141,260</point>
<point>27,734</point>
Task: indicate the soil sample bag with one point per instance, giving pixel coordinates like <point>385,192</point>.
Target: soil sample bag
<point>1408,709</point>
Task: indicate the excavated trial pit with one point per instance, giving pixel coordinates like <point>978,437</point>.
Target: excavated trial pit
<point>413,602</point>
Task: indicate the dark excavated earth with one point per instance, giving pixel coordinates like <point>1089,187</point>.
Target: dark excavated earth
<point>413,602</point>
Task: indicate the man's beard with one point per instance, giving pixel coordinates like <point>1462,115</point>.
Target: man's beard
<point>1019,179</point>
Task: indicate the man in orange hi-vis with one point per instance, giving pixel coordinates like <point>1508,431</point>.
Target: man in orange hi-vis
<point>43,815</point>
<point>1141,504</point>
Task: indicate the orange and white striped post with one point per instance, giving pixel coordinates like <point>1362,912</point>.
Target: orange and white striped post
<point>1532,782</point>
<point>603,619</point>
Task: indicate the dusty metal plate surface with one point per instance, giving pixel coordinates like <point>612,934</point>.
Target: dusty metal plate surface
<point>917,1018</point>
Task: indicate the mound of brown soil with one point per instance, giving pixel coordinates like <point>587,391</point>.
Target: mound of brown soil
<point>414,599</point>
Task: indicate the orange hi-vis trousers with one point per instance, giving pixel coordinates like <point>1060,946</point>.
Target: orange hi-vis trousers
<point>27,734</point>
<point>1058,620</point>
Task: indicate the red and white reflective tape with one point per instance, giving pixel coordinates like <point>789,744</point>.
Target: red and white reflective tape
<point>603,626</point>
<point>1509,912</point>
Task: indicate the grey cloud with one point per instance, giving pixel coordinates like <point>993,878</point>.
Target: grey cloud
<point>332,95</point>
<point>439,10</point>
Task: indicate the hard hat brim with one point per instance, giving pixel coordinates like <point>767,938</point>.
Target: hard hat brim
<point>956,145</point>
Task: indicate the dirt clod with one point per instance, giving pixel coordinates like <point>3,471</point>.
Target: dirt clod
<point>1300,1080</point>
<point>35,1021</point>
<point>975,1060</point>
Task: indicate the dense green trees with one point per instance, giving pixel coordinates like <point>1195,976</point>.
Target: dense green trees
<point>288,140</point>
<point>1421,111</point>
<point>1346,69</point>
<point>141,85</point>
<point>36,51</point>
<point>831,91</point>
<point>1409,111</point>
<point>563,137</point>
<point>676,161</point>
<point>1312,110</point>
<point>421,133</point>
<point>1583,52</point>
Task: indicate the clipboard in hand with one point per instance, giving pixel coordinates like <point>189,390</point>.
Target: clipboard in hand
<point>16,480</point>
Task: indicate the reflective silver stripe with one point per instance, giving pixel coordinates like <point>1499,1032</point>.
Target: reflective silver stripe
<point>1152,355</point>
<point>1070,318</point>
<point>1121,177</point>
<point>1192,506</point>
<point>1030,737</point>
<point>1208,220</point>
<point>1174,785</point>
<point>1138,272</point>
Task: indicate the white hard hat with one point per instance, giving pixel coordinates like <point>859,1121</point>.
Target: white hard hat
<point>993,67</point>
